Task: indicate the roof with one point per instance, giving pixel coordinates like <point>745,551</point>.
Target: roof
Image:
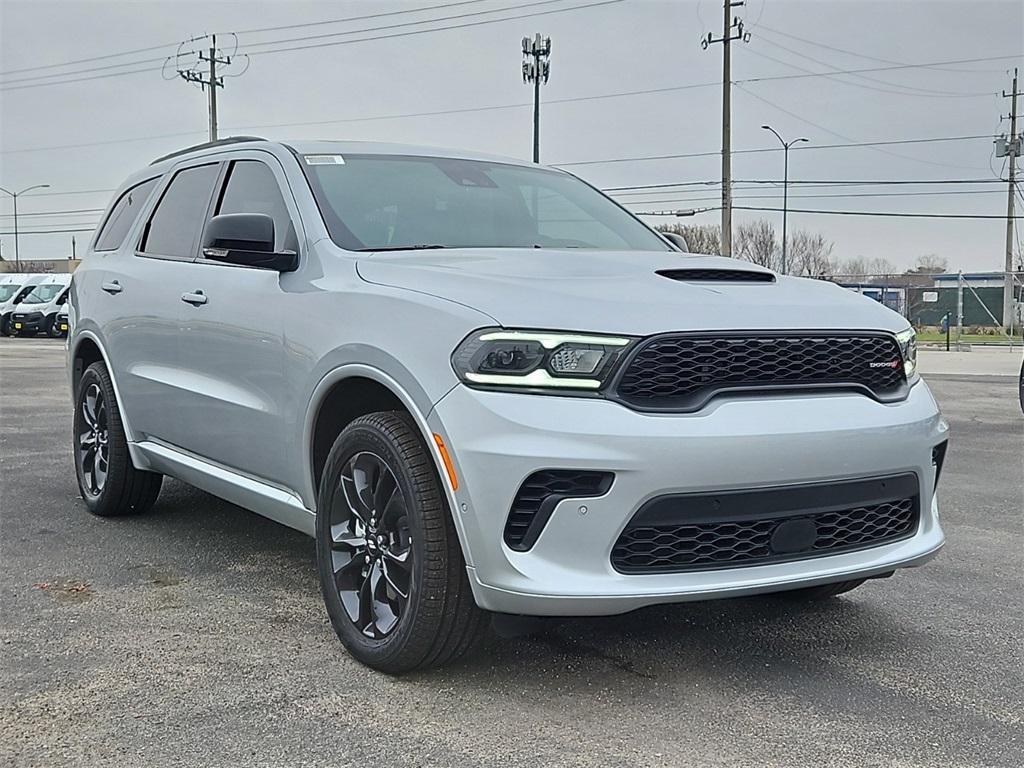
<point>336,148</point>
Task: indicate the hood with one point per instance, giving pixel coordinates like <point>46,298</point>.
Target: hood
<point>623,292</point>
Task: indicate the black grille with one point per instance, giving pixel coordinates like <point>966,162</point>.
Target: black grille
<point>718,275</point>
<point>708,531</point>
<point>682,372</point>
<point>538,496</point>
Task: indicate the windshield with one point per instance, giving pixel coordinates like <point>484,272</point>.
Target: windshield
<point>7,291</point>
<point>375,202</point>
<point>43,293</point>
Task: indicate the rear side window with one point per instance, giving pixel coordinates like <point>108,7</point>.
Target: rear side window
<point>179,215</point>
<point>252,188</point>
<point>123,215</point>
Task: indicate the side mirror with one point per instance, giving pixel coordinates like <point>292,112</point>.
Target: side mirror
<point>677,240</point>
<point>246,239</point>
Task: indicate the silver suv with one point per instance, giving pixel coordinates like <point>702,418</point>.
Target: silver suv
<point>487,389</point>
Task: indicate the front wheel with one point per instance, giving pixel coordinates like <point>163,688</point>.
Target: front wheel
<point>391,569</point>
<point>53,328</point>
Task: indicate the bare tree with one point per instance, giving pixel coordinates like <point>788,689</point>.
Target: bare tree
<point>702,238</point>
<point>755,242</point>
<point>32,265</point>
<point>810,255</point>
<point>930,264</point>
<point>863,269</point>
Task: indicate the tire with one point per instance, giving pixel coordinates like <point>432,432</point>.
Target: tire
<point>1021,386</point>
<point>820,592</point>
<point>52,329</point>
<point>100,444</point>
<point>379,468</point>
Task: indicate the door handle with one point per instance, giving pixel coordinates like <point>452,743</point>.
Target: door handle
<point>112,287</point>
<point>195,299</point>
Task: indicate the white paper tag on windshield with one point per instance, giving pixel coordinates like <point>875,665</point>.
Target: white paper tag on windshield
<point>324,159</point>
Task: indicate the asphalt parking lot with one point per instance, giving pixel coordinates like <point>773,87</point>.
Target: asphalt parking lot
<point>195,636</point>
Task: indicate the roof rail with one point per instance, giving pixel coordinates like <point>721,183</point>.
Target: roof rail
<point>207,145</point>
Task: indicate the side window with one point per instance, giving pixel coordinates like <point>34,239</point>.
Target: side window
<point>180,213</point>
<point>123,215</point>
<point>252,188</point>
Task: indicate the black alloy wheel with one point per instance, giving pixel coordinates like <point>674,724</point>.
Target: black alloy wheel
<point>371,546</point>
<point>93,440</point>
<point>391,569</point>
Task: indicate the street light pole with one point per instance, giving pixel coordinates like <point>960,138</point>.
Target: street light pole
<point>785,187</point>
<point>14,196</point>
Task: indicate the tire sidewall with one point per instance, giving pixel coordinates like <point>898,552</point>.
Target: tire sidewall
<point>357,438</point>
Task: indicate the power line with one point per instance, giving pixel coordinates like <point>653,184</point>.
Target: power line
<point>343,120</point>
<point>70,211</point>
<point>921,65</point>
<point>646,201</point>
<point>778,149</point>
<point>847,138</point>
<point>319,23</point>
<point>88,59</point>
<point>399,25</point>
<point>342,42</point>
<point>821,182</point>
<point>81,71</point>
<point>364,17</point>
<point>437,29</point>
<point>887,214</point>
<point>77,80</point>
<point>906,90</point>
<point>835,48</point>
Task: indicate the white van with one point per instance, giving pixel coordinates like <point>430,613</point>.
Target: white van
<point>37,312</point>
<point>13,290</point>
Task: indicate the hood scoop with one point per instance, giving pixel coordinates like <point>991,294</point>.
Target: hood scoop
<point>717,275</point>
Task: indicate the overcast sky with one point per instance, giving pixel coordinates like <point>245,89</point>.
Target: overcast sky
<point>121,123</point>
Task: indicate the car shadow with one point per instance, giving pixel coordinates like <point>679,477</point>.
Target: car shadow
<point>770,638</point>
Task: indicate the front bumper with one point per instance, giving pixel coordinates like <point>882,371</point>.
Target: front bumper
<point>27,322</point>
<point>498,439</point>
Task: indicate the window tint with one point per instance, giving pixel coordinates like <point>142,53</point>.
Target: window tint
<point>252,188</point>
<point>180,213</point>
<point>373,202</point>
<point>123,215</point>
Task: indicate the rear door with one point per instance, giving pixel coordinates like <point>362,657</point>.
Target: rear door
<point>143,289</point>
<point>233,350</point>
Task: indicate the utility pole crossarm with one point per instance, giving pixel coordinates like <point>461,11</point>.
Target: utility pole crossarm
<point>731,30</point>
<point>208,80</point>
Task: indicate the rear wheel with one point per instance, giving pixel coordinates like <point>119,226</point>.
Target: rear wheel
<point>109,483</point>
<point>391,569</point>
<point>821,591</point>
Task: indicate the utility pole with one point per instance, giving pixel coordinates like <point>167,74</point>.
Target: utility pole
<point>732,29</point>
<point>14,196</point>
<point>1013,151</point>
<point>211,80</point>
<point>536,69</point>
<point>785,186</point>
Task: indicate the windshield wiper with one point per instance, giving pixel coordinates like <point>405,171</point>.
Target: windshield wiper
<point>420,247</point>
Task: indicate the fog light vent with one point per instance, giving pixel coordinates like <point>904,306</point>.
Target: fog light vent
<point>538,496</point>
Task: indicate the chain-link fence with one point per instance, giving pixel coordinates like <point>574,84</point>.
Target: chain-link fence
<point>963,307</point>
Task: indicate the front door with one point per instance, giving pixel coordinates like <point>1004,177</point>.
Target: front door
<point>232,335</point>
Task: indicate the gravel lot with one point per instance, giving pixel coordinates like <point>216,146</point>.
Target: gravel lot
<point>195,636</point>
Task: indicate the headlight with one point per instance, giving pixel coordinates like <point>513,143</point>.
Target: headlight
<point>538,359</point>
<point>908,349</point>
